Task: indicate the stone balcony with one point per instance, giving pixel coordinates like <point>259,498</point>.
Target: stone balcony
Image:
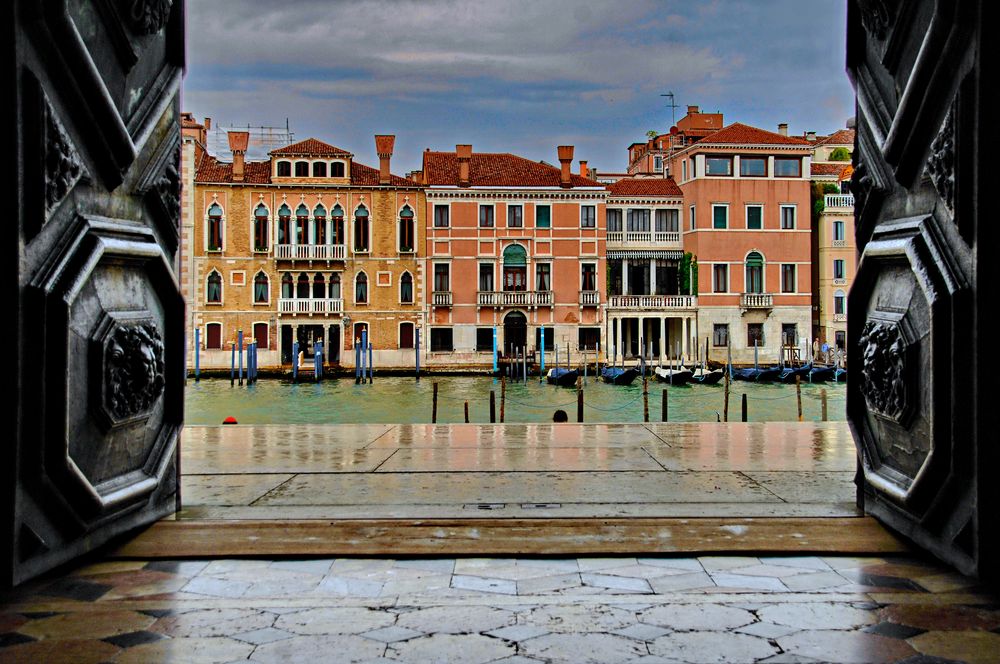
<point>842,201</point>
<point>310,252</point>
<point>514,298</point>
<point>441,298</point>
<point>756,301</point>
<point>310,306</point>
<point>590,298</point>
<point>652,302</point>
<point>645,239</point>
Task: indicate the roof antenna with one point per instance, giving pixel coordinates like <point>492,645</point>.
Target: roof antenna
<point>671,106</point>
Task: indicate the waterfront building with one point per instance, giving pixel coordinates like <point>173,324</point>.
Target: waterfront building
<point>514,244</point>
<point>651,310</point>
<point>652,157</point>
<point>304,246</point>
<point>747,223</point>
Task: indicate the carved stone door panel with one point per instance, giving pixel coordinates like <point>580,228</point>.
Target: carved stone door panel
<point>98,342</point>
<point>913,326</point>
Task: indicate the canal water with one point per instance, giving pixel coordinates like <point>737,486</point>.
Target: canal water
<point>405,400</point>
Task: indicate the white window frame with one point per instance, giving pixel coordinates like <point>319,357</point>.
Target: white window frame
<point>222,289</point>
<point>781,216</point>
<point>535,220</point>
<point>479,212</point>
<point>354,291</point>
<point>507,220</point>
<point>434,265</point>
<point>583,206</point>
<point>795,278</point>
<point>222,229</point>
<point>413,285</point>
<point>746,215</point>
<point>726,207</point>
<point>693,219</point>
<point>447,206</point>
<point>728,278</point>
<point>253,289</point>
<point>204,335</point>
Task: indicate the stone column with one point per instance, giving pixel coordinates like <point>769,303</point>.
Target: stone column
<point>617,325</point>
<point>624,276</point>
<point>652,276</point>
<point>685,333</point>
<point>663,337</point>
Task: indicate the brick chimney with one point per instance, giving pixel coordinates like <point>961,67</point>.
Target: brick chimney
<point>464,155</point>
<point>565,163</point>
<point>383,148</point>
<point>783,129</point>
<point>692,110</point>
<point>208,123</point>
<point>238,141</point>
<point>811,136</point>
<point>583,169</point>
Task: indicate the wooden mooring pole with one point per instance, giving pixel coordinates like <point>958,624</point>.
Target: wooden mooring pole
<point>664,412</point>
<point>822,398</point>
<point>503,396</point>
<point>743,417</point>
<point>645,399</point>
<point>798,394</point>
<point>466,412</point>
<point>493,407</point>
<point>725,404</point>
<point>579,396</point>
<point>434,407</point>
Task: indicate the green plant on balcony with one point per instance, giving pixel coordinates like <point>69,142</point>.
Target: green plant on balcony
<point>840,154</point>
<point>688,274</point>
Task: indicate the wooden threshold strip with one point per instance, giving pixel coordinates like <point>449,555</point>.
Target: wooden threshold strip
<point>504,537</point>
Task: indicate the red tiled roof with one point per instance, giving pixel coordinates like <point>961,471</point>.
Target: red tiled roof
<point>645,187</point>
<point>839,137</point>
<point>311,147</point>
<point>741,134</point>
<point>492,169</point>
<point>212,170</point>
<point>366,176</point>
<point>826,169</point>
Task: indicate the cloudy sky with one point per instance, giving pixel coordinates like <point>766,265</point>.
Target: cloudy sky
<point>518,76</point>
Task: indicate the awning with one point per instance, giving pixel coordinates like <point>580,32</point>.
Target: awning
<point>669,254</point>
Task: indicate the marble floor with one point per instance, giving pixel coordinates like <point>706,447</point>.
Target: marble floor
<point>517,611</point>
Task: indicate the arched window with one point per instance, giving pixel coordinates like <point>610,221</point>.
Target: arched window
<point>406,235</point>
<point>755,273</point>
<point>213,289</point>
<point>284,225</point>
<point>361,229</point>
<point>337,169</point>
<point>337,215</point>
<point>515,268</point>
<point>302,169</point>
<point>319,287</point>
<point>284,169</point>
<point>287,286</point>
<point>839,302</point>
<point>260,288</point>
<point>301,220</point>
<point>319,169</point>
<point>319,224</point>
<point>335,286</point>
<point>361,288</point>
<point>406,288</point>
<point>215,227</point>
<point>260,228</point>
<point>302,288</point>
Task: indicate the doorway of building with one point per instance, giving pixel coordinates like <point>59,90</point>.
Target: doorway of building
<point>515,332</point>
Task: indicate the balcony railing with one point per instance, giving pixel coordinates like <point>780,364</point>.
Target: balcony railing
<point>840,281</point>
<point>839,200</point>
<point>318,252</point>
<point>441,298</point>
<point>652,302</point>
<point>756,301</point>
<point>839,243</point>
<point>514,298</point>
<point>310,306</point>
<point>839,318</point>
<point>590,298</point>
<point>657,238</point>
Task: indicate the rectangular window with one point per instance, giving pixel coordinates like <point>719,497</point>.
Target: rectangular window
<point>484,339</point>
<point>720,334</point>
<point>588,216</point>
<point>789,334</point>
<point>787,217</point>
<point>720,216</point>
<point>440,216</point>
<point>550,339</point>
<point>838,231</point>
<point>785,167</point>
<point>588,337</point>
<point>614,220</point>
<point>486,216</point>
<point>515,216</point>
<point>543,276</point>
<point>755,217</point>
<point>543,216</point>
<point>720,278</point>
<point>485,277</point>
<point>684,170</point>
<point>442,282</point>
<point>838,303</point>
<point>788,279</point>
<point>841,339</point>
<point>753,167</point>
<point>838,269</point>
<point>657,163</point>
<point>637,220</point>
<point>755,334</point>
<point>441,340</point>
<point>692,218</point>
<point>666,221</point>
<point>588,276</point>
<point>718,166</point>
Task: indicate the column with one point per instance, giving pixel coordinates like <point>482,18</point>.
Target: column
<point>616,324</point>
<point>685,333</point>
<point>624,276</point>
<point>663,337</point>
<point>652,276</point>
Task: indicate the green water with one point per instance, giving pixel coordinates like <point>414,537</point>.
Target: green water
<point>404,400</point>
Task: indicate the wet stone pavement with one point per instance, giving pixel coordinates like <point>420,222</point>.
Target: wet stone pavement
<point>516,611</point>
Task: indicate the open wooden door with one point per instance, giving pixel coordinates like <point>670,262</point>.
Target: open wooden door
<point>917,309</point>
<point>97,343</point>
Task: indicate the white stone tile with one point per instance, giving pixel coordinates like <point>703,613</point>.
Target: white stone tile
<point>391,634</point>
<point>724,580</point>
<point>484,585</point>
<point>266,635</point>
<point>642,632</point>
<point>518,633</point>
<point>621,583</point>
<point>455,619</point>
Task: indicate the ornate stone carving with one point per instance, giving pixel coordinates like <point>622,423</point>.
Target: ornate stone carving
<point>861,183</point>
<point>941,163</point>
<point>168,186</point>
<point>883,368</point>
<point>148,16</point>
<point>877,16</point>
<point>63,167</point>
<point>133,369</point>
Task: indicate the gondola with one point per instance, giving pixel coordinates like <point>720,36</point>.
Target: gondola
<point>702,377</point>
<point>761,375</point>
<point>675,377</point>
<point>562,377</point>
<point>788,374</point>
<point>819,374</point>
<point>619,375</point>
<point>840,375</point>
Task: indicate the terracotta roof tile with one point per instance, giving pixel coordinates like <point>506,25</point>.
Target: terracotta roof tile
<point>826,169</point>
<point>839,137</point>
<point>212,170</point>
<point>366,176</point>
<point>645,187</point>
<point>741,134</point>
<point>491,169</point>
<point>311,147</point>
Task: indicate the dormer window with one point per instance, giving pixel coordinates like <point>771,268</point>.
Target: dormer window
<point>319,169</point>
<point>284,169</point>
<point>302,169</point>
<point>337,169</point>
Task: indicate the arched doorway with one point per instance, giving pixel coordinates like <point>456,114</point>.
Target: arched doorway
<point>515,332</point>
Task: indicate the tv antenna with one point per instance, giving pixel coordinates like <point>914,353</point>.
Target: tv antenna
<point>672,106</point>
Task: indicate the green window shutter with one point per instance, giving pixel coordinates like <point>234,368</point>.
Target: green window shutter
<point>543,218</point>
<point>754,217</point>
<point>719,215</point>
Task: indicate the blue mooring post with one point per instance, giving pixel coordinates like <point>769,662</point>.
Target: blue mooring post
<point>255,361</point>
<point>370,376</point>
<point>295,361</point>
<point>232,365</point>
<point>494,349</point>
<point>239,338</point>
<point>357,362</point>
<point>417,351</point>
<point>316,360</point>
<point>322,358</point>
<point>250,362</point>
<point>197,354</point>
<point>541,369</point>
<point>364,353</point>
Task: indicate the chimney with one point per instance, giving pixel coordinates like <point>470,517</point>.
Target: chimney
<point>208,123</point>
<point>566,163</point>
<point>583,169</point>
<point>783,129</point>
<point>464,155</point>
<point>238,141</point>
<point>811,136</point>
<point>693,110</point>
<point>383,148</point>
